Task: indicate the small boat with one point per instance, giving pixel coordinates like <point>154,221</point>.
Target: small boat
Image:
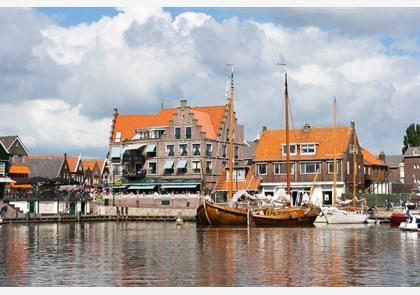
<point>411,225</point>
<point>335,215</point>
<point>212,214</point>
<point>397,217</point>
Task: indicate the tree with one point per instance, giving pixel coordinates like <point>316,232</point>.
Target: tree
<point>412,137</point>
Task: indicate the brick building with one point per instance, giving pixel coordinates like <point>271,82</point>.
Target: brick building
<point>376,173</point>
<point>412,169</point>
<point>177,149</point>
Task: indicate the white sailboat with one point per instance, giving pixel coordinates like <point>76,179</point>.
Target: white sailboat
<point>334,214</point>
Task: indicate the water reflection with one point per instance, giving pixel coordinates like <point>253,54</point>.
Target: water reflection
<point>163,254</point>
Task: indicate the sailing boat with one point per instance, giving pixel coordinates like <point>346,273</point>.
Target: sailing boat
<point>209,213</point>
<point>333,214</point>
<point>292,215</point>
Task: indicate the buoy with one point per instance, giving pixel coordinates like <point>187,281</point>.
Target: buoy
<point>179,221</point>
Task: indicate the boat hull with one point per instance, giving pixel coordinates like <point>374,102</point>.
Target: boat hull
<point>397,218</point>
<point>289,217</point>
<point>219,215</point>
<point>337,216</point>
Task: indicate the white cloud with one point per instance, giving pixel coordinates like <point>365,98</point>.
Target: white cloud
<point>137,58</point>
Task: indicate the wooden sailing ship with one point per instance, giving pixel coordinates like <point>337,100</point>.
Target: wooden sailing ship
<point>209,213</point>
<point>292,215</point>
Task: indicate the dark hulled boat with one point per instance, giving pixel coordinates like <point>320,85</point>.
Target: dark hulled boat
<point>209,213</point>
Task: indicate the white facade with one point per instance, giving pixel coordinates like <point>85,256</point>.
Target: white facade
<point>51,207</point>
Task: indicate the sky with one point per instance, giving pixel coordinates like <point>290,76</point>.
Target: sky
<point>63,70</point>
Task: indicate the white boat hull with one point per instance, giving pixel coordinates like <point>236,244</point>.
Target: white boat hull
<point>337,216</point>
<point>410,226</point>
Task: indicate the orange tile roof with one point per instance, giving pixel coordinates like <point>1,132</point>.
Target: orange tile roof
<point>101,163</point>
<point>19,170</point>
<point>269,145</point>
<point>251,182</point>
<point>209,117</point>
<point>370,159</point>
<point>89,164</point>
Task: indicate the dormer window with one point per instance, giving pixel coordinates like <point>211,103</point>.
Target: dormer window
<point>308,149</point>
<point>118,137</point>
<point>292,149</point>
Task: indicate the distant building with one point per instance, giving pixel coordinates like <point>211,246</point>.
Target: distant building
<point>376,174</point>
<point>92,173</point>
<point>177,149</point>
<point>4,167</point>
<point>49,167</point>
<point>412,169</point>
<point>311,149</point>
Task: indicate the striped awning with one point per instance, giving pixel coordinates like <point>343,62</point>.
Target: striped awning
<point>169,164</point>
<point>14,169</point>
<point>150,148</point>
<point>179,185</point>
<point>137,187</point>
<point>181,164</point>
<point>132,147</point>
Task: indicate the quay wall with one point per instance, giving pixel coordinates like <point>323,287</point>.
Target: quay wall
<point>152,212</point>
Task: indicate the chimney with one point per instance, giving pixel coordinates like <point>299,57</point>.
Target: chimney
<point>183,103</point>
<point>382,156</point>
<point>264,128</point>
<point>352,125</point>
<point>306,127</point>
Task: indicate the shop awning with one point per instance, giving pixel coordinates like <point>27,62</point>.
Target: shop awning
<point>18,170</point>
<point>132,147</point>
<point>179,185</point>
<point>169,164</point>
<point>119,186</point>
<point>116,152</point>
<point>146,187</point>
<point>181,164</point>
<point>14,185</point>
<point>150,148</point>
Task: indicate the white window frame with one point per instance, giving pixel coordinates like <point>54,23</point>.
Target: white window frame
<point>199,148</point>
<point>348,167</point>
<point>118,136</point>
<point>148,167</point>
<point>307,145</point>
<point>301,164</point>
<point>211,148</point>
<point>166,149</point>
<point>258,169</point>
<point>180,151</point>
<point>185,129</point>
<point>283,149</point>
<point>330,163</point>
<point>198,166</point>
<point>180,132</point>
<point>292,168</point>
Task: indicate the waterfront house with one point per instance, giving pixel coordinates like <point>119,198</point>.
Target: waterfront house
<point>412,169</point>
<point>376,173</point>
<point>174,150</point>
<point>4,167</point>
<point>18,170</point>
<point>396,174</point>
<point>311,150</point>
<point>92,173</point>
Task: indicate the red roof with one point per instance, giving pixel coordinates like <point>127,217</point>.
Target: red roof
<point>251,183</point>
<point>209,118</point>
<point>370,159</point>
<point>14,169</point>
<point>89,164</point>
<point>269,147</point>
<point>71,160</point>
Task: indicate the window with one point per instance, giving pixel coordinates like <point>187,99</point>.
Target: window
<point>236,152</point>
<point>152,167</point>
<point>224,151</point>
<point>177,132</point>
<point>21,159</point>
<point>165,202</point>
<point>351,146</point>
<point>187,132</point>
<point>280,168</point>
<point>310,167</point>
<point>227,134</point>
<point>209,167</point>
<point>196,166</point>
<point>209,149</point>
<point>262,169</point>
<point>307,149</point>
<point>183,150</point>
<point>238,175</point>
<point>170,150</point>
<point>196,149</point>
<point>331,167</point>
<point>2,168</point>
<point>116,169</point>
<point>118,137</point>
<point>348,167</point>
<point>292,149</point>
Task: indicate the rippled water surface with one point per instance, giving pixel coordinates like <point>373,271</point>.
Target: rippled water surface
<point>163,254</point>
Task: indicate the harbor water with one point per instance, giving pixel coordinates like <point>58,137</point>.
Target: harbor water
<point>165,254</point>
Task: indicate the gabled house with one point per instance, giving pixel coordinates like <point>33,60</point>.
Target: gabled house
<point>18,170</point>
<point>173,150</point>
<point>376,174</point>
<point>412,169</point>
<point>49,167</point>
<point>92,173</point>
<point>311,150</point>
<point>4,167</point>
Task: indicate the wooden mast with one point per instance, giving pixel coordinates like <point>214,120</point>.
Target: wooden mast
<point>334,158</point>
<point>354,168</point>
<point>231,139</point>
<point>286,106</point>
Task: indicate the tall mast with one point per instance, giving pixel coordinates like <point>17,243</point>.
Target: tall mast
<point>231,139</point>
<point>354,168</point>
<point>286,107</point>
<point>334,157</point>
